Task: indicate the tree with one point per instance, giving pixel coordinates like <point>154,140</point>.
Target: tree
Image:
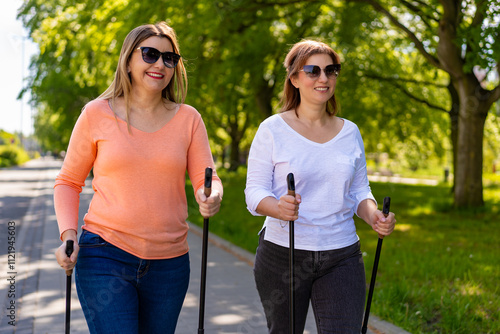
<point>388,90</point>
<point>460,38</point>
<point>251,41</point>
<point>234,52</point>
<point>68,72</point>
<point>239,64</point>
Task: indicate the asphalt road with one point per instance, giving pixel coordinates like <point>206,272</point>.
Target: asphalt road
<point>18,186</point>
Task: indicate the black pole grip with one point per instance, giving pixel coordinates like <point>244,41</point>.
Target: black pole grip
<point>387,206</point>
<point>208,181</point>
<point>69,247</point>
<point>291,184</point>
<point>69,250</point>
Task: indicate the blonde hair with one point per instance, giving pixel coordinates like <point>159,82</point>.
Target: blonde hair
<point>121,86</point>
<point>294,61</point>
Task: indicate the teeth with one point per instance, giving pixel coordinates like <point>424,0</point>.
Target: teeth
<point>155,75</point>
<point>322,89</point>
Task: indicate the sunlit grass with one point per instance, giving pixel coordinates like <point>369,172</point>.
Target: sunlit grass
<point>438,271</point>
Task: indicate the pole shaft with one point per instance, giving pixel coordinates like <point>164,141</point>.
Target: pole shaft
<point>372,285</point>
<point>203,276</point>
<point>203,281</point>
<point>291,191</point>
<point>69,251</point>
<point>385,211</point>
<point>68,304</point>
<point>292,277</point>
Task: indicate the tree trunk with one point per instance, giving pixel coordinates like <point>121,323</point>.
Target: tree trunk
<point>263,99</point>
<point>473,109</point>
<point>455,105</point>
<point>471,120</point>
<point>234,154</point>
<point>236,132</point>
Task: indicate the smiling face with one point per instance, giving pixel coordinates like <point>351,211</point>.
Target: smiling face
<point>318,90</point>
<point>150,77</point>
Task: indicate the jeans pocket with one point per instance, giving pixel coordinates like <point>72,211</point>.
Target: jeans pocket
<point>89,240</point>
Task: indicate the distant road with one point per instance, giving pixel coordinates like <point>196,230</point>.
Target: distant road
<point>18,185</point>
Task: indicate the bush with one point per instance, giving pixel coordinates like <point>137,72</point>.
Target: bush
<point>11,155</point>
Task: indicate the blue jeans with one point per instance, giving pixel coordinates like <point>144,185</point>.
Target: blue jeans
<point>121,293</point>
<point>334,282</point>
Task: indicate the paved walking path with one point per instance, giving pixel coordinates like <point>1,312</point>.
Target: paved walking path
<point>232,303</point>
<point>399,179</point>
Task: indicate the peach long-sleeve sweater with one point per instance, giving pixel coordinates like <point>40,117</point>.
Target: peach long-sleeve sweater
<point>139,202</point>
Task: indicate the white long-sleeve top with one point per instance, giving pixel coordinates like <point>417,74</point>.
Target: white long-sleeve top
<point>330,177</point>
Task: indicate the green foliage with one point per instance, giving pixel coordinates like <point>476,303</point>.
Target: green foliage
<point>491,142</point>
<point>234,52</point>
<point>234,61</point>
<point>383,76</point>
<point>12,155</point>
<point>438,271</point>
<point>482,39</point>
<point>238,66</point>
<point>7,138</point>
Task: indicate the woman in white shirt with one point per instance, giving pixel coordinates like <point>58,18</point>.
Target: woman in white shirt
<point>326,155</point>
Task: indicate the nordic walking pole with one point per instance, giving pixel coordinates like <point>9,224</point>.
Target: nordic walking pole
<point>291,191</point>
<point>203,282</point>
<point>69,251</point>
<point>385,211</point>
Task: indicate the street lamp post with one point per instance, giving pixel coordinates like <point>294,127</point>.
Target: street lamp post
<point>23,38</point>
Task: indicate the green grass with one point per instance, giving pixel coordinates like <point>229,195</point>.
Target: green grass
<point>233,222</point>
<point>439,271</point>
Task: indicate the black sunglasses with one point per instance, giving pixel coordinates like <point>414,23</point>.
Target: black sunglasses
<point>314,71</point>
<point>151,55</point>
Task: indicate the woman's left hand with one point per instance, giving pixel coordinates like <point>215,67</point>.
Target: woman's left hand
<point>208,206</point>
<point>381,224</point>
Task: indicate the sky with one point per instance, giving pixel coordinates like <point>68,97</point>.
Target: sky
<point>13,113</point>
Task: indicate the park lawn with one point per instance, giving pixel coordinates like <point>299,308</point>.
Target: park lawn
<point>438,271</point>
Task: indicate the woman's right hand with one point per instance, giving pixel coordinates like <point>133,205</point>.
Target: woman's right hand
<point>67,263</point>
<point>288,207</point>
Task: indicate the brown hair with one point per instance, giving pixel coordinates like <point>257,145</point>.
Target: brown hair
<point>176,89</point>
<point>294,61</point>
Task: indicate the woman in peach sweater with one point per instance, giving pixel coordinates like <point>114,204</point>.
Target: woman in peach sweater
<point>132,260</point>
